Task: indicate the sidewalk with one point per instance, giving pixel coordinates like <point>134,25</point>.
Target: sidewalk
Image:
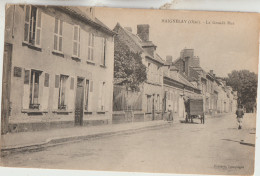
<point>34,140</point>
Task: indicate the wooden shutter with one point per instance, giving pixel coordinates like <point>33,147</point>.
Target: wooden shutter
<point>75,38</point>
<point>38,27</point>
<point>26,76</point>
<point>27,17</point>
<point>100,95</point>
<point>57,81</point>
<point>79,42</point>
<point>56,28</point>
<point>46,80</point>
<point>60,36</point>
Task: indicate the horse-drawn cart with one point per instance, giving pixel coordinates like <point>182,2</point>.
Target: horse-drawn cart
<point>194,109</point>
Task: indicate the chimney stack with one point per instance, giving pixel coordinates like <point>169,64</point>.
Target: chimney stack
<point>128,28</point>
<point>143,31</point>
<point>211,72</point>
<point>169,59</point>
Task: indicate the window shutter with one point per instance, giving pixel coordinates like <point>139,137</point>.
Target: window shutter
<point>26,76</point>
<point>75,39</point>
<point>72,83</point>
<point>79,43</point>
<point>46,80</point>
<point>57,81</point>
<point>27,23</point>
<point>91,86</point>
<point>38,27</point>
<point>56,34</point>
<point>93,43</point>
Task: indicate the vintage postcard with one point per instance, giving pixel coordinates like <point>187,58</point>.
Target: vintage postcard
<point>133,90</point>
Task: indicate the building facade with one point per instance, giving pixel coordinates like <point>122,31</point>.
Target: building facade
<point>149,97</point>
<point>57,57</point>
<point>217,97</point>
<point>176,87</point>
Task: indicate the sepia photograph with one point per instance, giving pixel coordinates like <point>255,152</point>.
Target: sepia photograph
<point>129,90</point>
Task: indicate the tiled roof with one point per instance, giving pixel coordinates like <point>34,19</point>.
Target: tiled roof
<point>83,16</point>
<point>141,44</point>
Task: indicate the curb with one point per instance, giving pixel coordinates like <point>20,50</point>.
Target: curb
<point>64,140</point>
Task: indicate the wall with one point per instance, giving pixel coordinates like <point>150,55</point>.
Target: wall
<point>45,60</point>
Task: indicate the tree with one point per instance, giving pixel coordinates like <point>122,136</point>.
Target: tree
<point>245,83</point>
<point>129,69</point>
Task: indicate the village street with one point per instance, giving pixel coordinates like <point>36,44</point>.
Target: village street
<point>217,147</point>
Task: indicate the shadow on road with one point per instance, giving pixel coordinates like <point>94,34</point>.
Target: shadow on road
<point>184,121</point>
<point>240,142</point>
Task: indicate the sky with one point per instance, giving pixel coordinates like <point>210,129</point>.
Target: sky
<point>221,47</point>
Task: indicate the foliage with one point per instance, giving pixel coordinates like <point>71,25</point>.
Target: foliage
<point>245,83</point>
<point>129,69</point>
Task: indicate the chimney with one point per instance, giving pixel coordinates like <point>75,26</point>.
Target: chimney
<point>143,31</point>
<point>195,62</point>
<point>169,59</point>
<point>211,72</point>
<point>128,28</point>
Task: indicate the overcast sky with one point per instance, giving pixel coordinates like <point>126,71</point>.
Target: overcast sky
<point>221,48</point>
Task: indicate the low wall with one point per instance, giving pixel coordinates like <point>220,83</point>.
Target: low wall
<point>134,116</point>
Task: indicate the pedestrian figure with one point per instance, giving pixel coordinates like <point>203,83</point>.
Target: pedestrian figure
<point>240,114</point>
<point>187,109</point>
<point>170,114</point>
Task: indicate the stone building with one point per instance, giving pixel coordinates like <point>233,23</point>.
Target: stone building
<point>57,63</point>
<point>149,97</point>
<point>176,86</point>
<point>218,97</point>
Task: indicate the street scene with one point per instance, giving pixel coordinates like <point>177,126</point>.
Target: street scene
<point>165,92</point>
<point>215,148</point>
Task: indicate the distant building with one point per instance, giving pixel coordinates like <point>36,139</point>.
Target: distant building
<point>218,97</point>
<point>148,100</point>
<point>58,68</point>
<point>176,86</point>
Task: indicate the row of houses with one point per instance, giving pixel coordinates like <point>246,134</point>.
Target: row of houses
<point>168,83</point>
<point>58,69</point>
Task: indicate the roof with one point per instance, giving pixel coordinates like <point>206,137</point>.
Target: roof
<point>141,45</point>
<point>181,78</point>
<point>95,22</point>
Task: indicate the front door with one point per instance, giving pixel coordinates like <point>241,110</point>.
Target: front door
<point>79,102</point>
<point>153,110</point>
<point>6,88</point>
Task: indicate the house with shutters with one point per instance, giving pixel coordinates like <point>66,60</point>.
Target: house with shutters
<point>147,102</point>
<point>58,68</point>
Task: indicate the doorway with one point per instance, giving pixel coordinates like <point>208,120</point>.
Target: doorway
<point>79,102</point>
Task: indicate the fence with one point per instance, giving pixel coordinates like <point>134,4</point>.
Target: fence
<point>124,100</point>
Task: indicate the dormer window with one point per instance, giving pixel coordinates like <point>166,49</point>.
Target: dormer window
<point>183,66</point>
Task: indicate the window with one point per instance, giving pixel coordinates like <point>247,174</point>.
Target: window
<point>103,55</point>
<point>32,26</point>
<point>101,99</point>
<point>62,92</point>
<point>149,104</point>
<point>58,35</point>
<point>158,102</point>
<point>34,89</point>
<point>91,46</point>
<point>183,66</point>
<point>76,41</point>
